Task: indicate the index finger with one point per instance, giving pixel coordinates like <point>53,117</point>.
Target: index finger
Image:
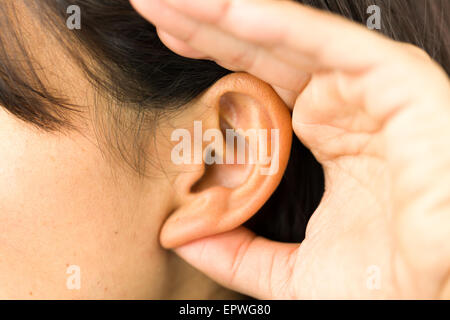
<point>302,36</point>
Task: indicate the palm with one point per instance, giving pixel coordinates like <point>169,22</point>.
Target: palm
<point>349,238</point>
<point>360,234</point>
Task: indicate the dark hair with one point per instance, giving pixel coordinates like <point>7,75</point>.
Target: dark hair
<point>146,80</point>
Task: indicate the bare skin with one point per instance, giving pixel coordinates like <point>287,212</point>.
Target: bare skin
<point>374,112</point>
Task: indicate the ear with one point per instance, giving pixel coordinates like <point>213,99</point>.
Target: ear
<point>219,187</point>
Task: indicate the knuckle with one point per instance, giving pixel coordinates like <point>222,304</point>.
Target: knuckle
<point>416,51</point>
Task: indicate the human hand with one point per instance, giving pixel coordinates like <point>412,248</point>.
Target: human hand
<point>376,115</point>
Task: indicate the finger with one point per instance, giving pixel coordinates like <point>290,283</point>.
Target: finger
<point>288,96</point>
<point>180,47</point>
<point>226,50</point>
<point>244,262</point>
<point>297,34</point>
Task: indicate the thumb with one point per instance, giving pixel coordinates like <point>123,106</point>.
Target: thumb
<point>244,262</point>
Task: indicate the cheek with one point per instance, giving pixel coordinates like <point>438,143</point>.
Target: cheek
<point>61,206</point>
<point>50,181</point>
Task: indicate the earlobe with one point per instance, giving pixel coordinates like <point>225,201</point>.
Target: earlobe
<point>234,180</point>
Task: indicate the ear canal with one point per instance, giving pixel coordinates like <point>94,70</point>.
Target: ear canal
<point>228,175</point>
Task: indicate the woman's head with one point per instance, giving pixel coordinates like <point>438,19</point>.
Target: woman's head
<point>88,172</point>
